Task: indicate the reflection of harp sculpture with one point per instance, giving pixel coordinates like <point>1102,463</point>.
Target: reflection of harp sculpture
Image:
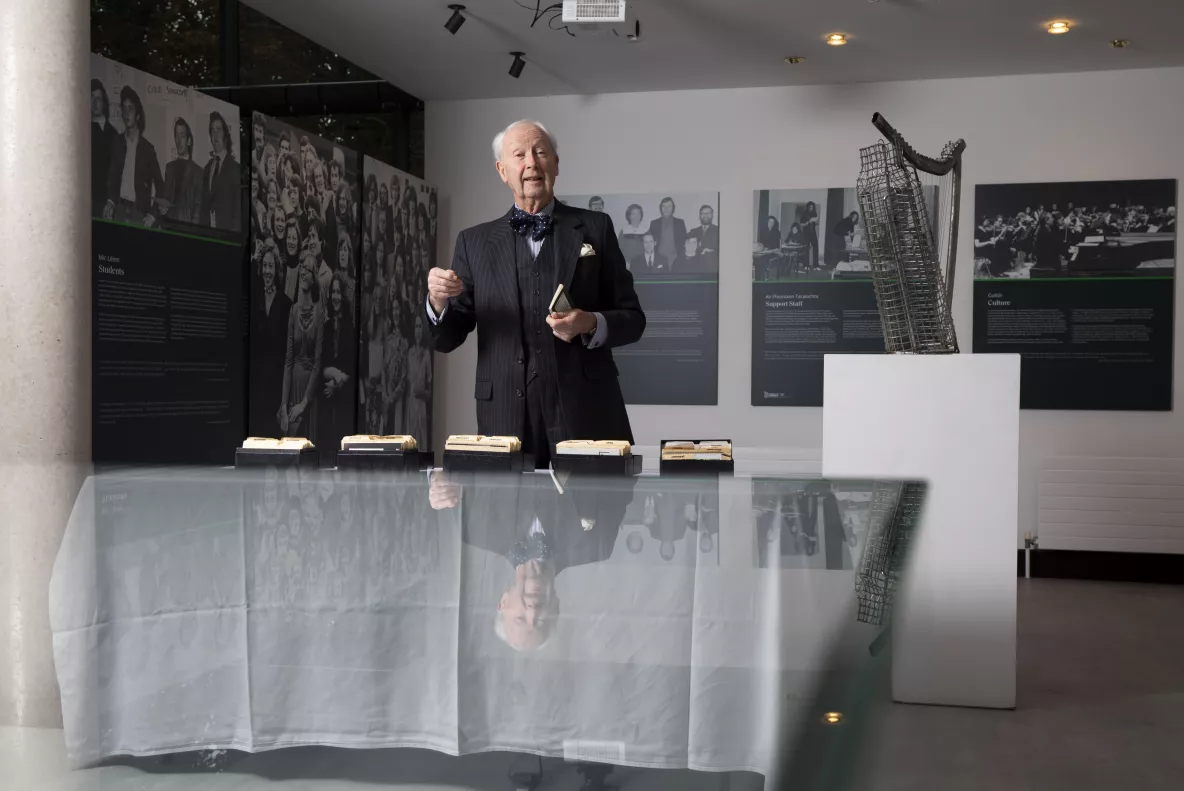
<point>895,511</point>
<point>907,246</point>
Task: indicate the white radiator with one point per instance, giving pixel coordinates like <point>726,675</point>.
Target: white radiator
<point>1111,504</point>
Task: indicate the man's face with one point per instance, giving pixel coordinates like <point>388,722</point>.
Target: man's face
<point>667,209</point>
<point>334,178</point>
<point>649,243</point>
<point>285,147</point>
<point>181,139</point>
<point>706,215</point>
<point>528,166</point>
<point>257,129</point>
<point>128,111</point>
<point>96,103</point>
<point>529,607</point>
<point>596,205</point>
<point>218,136</point>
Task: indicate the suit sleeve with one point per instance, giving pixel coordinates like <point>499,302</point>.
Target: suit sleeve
<point>460,317</point>
<point>619,304</point>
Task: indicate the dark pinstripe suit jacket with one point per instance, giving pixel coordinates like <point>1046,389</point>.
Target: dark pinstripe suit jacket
<point>591,404</point>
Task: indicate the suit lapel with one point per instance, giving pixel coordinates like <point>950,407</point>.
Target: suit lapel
<point>501,258</point>
<point>569,239</point>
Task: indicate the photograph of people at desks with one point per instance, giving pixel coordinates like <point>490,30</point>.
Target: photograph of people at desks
<point>808,235</point>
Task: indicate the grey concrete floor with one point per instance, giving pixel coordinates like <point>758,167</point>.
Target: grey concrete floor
<point>1101,706</point>
<point>1100,703</point>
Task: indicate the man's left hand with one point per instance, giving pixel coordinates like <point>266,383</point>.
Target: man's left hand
<point>569,326</point>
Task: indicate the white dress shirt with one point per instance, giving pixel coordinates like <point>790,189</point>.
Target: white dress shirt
<point>127,185</point>
<point>598,337</point>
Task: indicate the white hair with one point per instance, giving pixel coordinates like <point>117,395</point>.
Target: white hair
<point>501,136</point>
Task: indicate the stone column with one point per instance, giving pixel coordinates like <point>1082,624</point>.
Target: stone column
<point>44,328</point>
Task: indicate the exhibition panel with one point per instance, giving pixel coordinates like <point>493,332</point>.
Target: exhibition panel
<point>399,246</point>
<point>167,247</point>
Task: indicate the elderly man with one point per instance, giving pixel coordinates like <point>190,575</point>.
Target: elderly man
<point>541,376</point>
<point>541,533</point>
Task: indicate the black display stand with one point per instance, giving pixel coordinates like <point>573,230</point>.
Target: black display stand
<point>385,460</point>
<point>307,459</point>
<point>598,465</point>
<point>695,466</point>
<point>476,461</point>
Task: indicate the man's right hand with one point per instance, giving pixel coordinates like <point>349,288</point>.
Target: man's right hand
<point>443,284</point>
<point>443,492</point>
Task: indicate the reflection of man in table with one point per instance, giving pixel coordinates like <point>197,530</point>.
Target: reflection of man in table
<point>541,533</point>
<point>708,235</point>
<point>650,262</point>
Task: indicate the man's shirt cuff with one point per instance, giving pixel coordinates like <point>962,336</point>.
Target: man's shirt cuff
<point>432,317</point>
<point>598,338</point>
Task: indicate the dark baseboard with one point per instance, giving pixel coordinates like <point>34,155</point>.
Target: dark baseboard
<point>1105,566</point>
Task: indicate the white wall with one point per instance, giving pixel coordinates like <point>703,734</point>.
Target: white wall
<point>1101,125</point>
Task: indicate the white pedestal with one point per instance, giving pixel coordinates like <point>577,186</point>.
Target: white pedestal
<point>952,420</point>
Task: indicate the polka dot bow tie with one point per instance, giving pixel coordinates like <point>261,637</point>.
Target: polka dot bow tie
<point>524,223</point>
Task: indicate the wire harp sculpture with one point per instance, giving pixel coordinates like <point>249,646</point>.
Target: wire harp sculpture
<point>910,241</point>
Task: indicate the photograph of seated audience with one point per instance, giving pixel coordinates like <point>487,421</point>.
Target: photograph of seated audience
<point>303,339</point>
<point>162,155</point>
<point>398,249</point>
<point>655,238</point>
<point>1075,229</point>
<point>808,235</point>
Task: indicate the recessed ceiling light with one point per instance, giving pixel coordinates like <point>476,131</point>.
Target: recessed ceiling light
<point>832,717</point>
<point>1120,43</point>
<point>1058,27</point>
<point>836,39</point>
<point>794,59</point>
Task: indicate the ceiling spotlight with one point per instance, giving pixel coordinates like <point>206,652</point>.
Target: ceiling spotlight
<point>794,59</point>
<point>1059,27</point>
<point>518,65</point>
<point>832,717</point>
<point>836,39</point>
<point>456,20</point>
<point>1120,43</point>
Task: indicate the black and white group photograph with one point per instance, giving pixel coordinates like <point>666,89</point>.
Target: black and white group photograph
<point>669,527</point>
<point>662,234</point>
<point>808,235</point>
<point>304,263</point>
<point>398,249</point>
<point>818,525</point>
<point>1075,229</point>
<point>162,155</point>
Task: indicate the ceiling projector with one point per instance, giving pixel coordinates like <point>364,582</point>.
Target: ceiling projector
<point>601,16</point>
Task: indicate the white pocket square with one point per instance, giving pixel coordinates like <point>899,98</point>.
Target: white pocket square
<point>586,251</point>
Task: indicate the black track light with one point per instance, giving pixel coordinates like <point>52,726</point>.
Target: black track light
<point>518,65</point>
<point>456,20</point>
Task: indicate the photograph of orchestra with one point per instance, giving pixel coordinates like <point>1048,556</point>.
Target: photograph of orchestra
<point>162,155</point>
<point>808,235</point>
<point>1071,229</point>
